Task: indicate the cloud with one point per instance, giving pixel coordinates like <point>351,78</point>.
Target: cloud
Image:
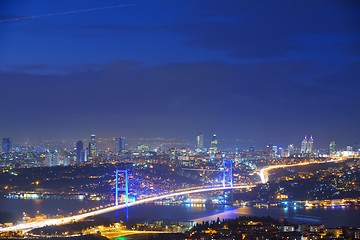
<point>186,97</point>
<point>30,67</point>
<point>267,29</point>
<point>187,88</point>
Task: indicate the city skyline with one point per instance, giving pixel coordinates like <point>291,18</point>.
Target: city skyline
<point>200,142</point>
<point>261,73</point>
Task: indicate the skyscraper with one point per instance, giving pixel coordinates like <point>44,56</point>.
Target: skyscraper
<point>52,159</point>
<point>310,145</point>
<point>116,146</point>
<point>200,142</point>
<point>303,146</point>
<point>213,147</point>
<point>252,149</point>
<point>84,155</point>
<point>332,147</point>
<point>6,145</point>
<point>48,159</point>
<point>290,150</point>
<point>92,146</point>
<point>56,158</point>
<point>79,149</point>
<point>307,146</point>
<point>122,143</point>
<point>214,143</point>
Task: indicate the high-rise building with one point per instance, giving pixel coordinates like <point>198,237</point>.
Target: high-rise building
<point>92,146</point>
<point>200,142</point>
<point>307,145</point>
<point>214,143</point>
<point>122,143</point>
<point>270,150</point>
<point>310,145</point>
<point>252,149</point>
<point>79,149</point>
<point>116,145</point>
<point>53,159</point>
<point>6,145</point>
<point>84,155</point>
<point>213,147</point>
<point>48,159</point>
<point>303,146</point>
<point>332,147</point>
<point>56,158</point>
<point>290,150</point>
<point>119,145</point>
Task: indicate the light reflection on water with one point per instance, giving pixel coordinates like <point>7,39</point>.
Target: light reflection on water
<point>331,217</point>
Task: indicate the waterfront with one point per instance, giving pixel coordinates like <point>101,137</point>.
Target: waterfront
<point>330,217</point>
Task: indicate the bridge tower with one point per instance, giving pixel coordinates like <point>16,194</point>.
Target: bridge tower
<point>228,180</point>
<point>122,189</point>
<point>227,173</point>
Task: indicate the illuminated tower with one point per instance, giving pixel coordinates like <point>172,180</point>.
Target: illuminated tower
<point>122,143</point>
<point>304,144</point>
<point>290,150</point>
<point>56,158</point>
<point>307,146</point>
<point>214,143</point>
<point>6,145</point>
<point>310,144</point>
<point>200,142</point>
<point>48,159</point>
<point>92,146</point>
<point>79,149</point>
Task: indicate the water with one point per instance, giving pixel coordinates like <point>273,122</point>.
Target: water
<point>330,217</point>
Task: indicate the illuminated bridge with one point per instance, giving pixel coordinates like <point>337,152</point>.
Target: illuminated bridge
<point>59,221</point>
<point>263,173</point>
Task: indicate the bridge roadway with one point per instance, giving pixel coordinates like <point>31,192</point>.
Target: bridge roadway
<point>60,221</point>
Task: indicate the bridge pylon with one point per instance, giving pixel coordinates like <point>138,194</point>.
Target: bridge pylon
<point>121,189</point>
<point>228,180</point>
<point>227,173</point>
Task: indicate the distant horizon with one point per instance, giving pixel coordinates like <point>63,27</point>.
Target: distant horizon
<point>224,143</point>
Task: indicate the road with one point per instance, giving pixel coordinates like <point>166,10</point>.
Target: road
<point>264,176</point>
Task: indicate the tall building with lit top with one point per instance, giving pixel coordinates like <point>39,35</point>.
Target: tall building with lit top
<point>200,142</point>
<point>213,147</point>
<point>214,143</point>
<point>122,143</point>
<point>119,145</point>
<point>332,147</point>
<point>92,146</point>
<point>307,145</point>
<point>6,145</point>
<point>48,159</point>
<point>56,158</point>
<point>290,150</point>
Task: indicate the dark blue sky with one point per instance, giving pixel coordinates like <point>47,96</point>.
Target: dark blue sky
<point>260,72</point>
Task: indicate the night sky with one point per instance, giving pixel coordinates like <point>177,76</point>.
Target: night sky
<point>256,71</point>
